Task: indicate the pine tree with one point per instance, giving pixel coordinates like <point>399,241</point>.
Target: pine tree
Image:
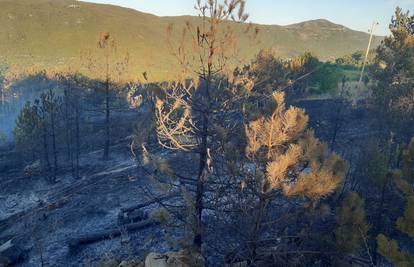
<point>393,70</point>
<point>107,65</point>
<point>289,161</point>
<point>391,251</point>
<point>402,179</point>
<point>268,73</point>
<point>351,232</point>
<point>406,223</point>
<point>37,131</point>
<point>281,145</point>
<point>72,115</point>
<point>195,107</point>
<point>50,108</point>
<point>378,172</point>
<point>27,132</point>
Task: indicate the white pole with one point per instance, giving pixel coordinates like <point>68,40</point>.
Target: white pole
<point>367,53</point>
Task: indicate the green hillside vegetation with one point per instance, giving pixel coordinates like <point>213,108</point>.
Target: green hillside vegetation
<point>52,35</point>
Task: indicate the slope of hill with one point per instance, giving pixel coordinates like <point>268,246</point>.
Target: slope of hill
<point>52,33</point>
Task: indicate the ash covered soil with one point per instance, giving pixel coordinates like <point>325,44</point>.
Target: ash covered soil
<point>42,218</point>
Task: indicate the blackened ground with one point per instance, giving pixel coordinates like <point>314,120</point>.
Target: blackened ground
<point>43,217</point>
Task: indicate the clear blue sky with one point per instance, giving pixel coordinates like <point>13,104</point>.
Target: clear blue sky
<point>355,14</point>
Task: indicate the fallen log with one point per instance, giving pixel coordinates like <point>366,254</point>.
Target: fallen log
<point>112,233</point>
<point>148,203</point>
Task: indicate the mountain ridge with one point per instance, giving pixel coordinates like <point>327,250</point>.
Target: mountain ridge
<point>51,34</point>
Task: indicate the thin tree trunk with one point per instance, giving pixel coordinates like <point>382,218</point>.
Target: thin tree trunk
<point>46,149</point>
<point>53,125</point>
<point>256,231</point>
<point>77,136</point>
<point>2,97</point>
<point>335,133</point>
<point>199,206</point>
<point>107,116</point>
<point>378,225</point>
<point>69,131</point>
<point>200,186</point>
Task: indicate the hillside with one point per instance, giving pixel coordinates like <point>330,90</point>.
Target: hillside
<point>52,33</point>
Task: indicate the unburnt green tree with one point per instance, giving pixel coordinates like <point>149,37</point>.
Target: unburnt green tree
<point>27,132</point>
<point>269,73</point>
<point>37,132</point>
<point>352,60</point>
<point>389,249</point>
<point>352,228</point>
<point>298,77</point>
<point>402,179</point>
<point>393,69</point>
<point>378,173</point>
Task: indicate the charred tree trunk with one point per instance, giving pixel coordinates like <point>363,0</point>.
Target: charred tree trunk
<point>68,130</point>
<point>200,187</point>
<point>77,137</point>
<point>378,222</point>
<point>107,121</point>
<point>45,149</point>
<point>257,226</point>
<point>107,234</point>
<point>2,97</point>
<point>53,135</point>
<point>202,167</point>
